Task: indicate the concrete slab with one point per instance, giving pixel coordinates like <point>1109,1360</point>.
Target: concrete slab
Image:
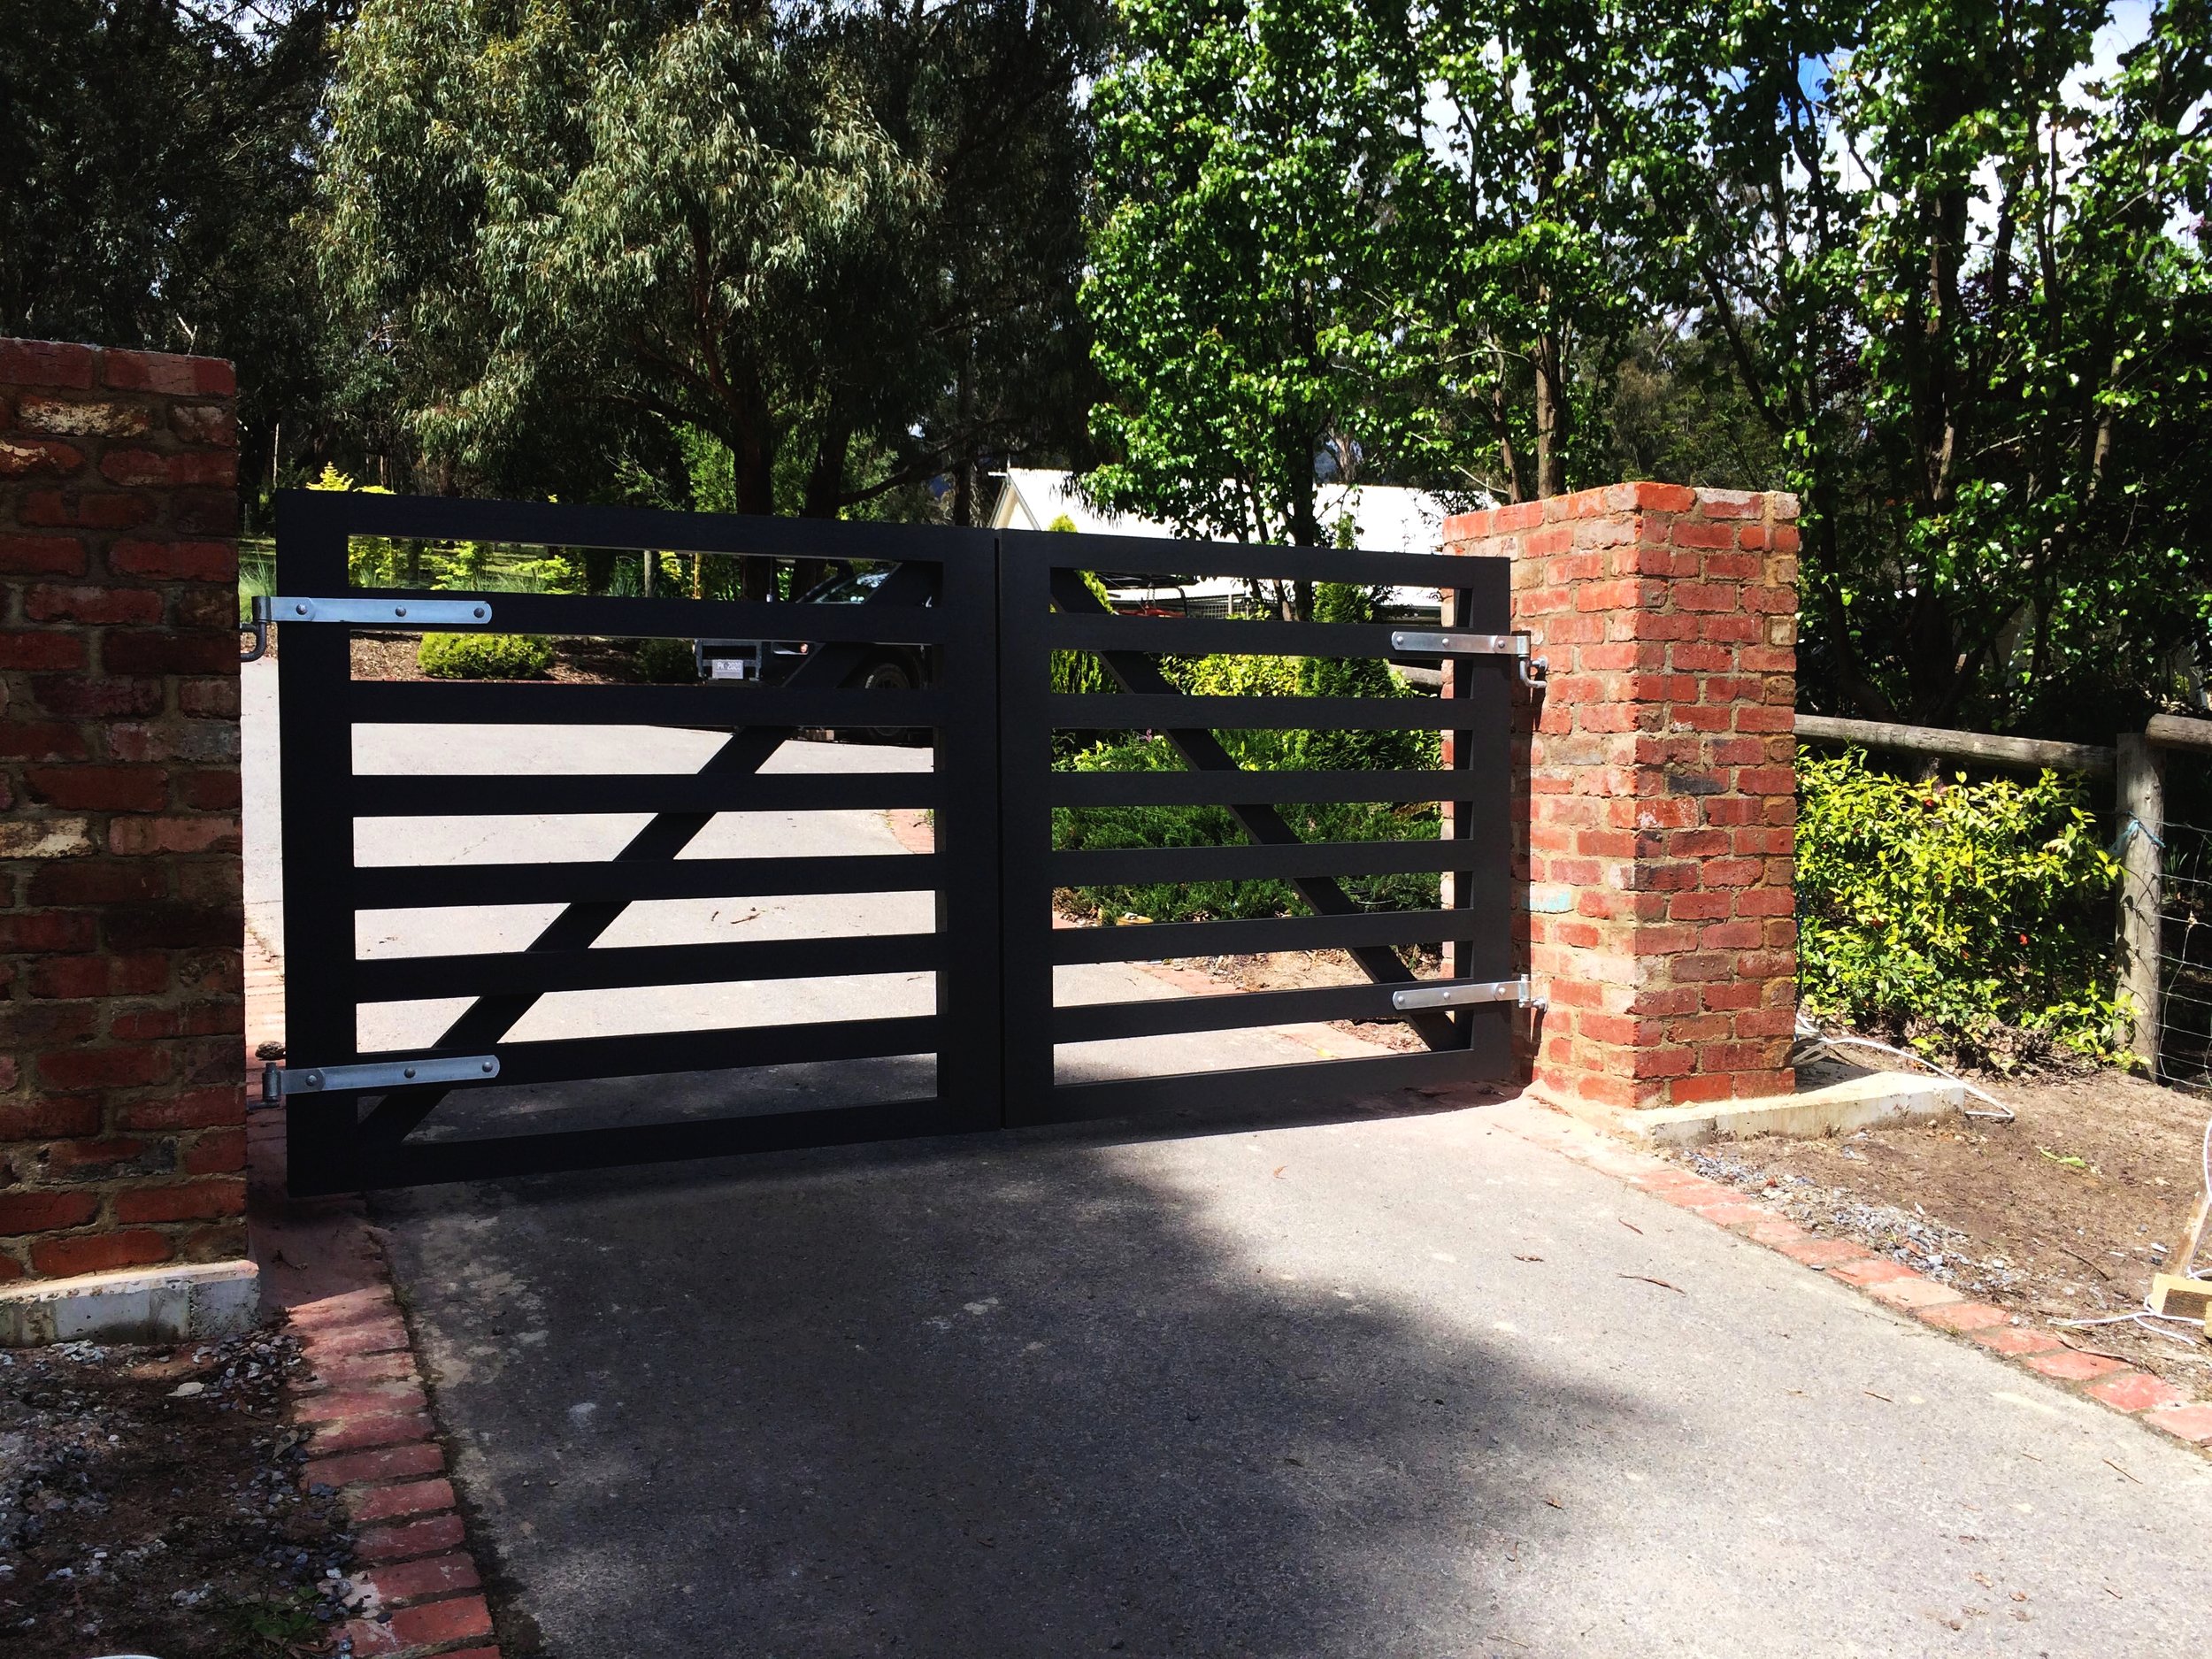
<point>1855,1103</point>
<point>151,1304</point>
<point>1378,1386</point>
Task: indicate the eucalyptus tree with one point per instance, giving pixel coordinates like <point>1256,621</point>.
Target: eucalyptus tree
<point>1250,153</point>
<point>786,227</point>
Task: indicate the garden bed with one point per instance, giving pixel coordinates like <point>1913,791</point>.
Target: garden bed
<point>149,1503</point>
<point>2063,1214</point>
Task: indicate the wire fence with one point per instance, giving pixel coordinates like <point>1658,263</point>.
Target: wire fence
<point>2185,959</point>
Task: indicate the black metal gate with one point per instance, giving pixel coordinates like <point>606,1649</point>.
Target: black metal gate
<point>989,608</point>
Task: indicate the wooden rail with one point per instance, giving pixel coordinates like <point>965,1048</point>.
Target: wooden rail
<point>2034,752</point>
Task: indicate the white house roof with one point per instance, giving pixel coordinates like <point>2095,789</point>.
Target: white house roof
<point>1387,518</point>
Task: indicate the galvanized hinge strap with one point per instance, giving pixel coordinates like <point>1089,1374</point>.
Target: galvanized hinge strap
<point>1532,671</point>
<point>276,1081</point>
<point>1449,644</point>
<point>1463,993</point>
<point>443,613</point>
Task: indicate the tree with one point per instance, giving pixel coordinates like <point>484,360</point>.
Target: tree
<point>156,153</point>
<point>1965,288</point>
<point>1249,155</point>
<point>816,234</point>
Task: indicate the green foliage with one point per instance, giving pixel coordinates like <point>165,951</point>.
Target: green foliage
<point>484,657</point>
<point>1253,675</point>
<point>667,661</point>
<point>1953,912</point>
<point>839,242</point>
<point>1245,155</point>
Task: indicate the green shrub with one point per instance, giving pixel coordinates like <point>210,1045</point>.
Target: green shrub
<point>1953,912</point>
<point>484,657</point>
<point>667,661</point>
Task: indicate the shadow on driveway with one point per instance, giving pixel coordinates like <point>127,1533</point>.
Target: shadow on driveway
<point>1037,1395</point>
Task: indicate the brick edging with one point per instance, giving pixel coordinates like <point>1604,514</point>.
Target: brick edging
<point>373,1441</point>
<point>2107,1382</point>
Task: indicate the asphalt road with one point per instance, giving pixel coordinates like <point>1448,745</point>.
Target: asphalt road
<point>1372,1387</point>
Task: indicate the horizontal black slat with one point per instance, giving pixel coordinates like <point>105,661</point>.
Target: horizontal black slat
<point>423,1163</point>
<point>1104,1022</point>
<point>658,1054</point>
<point>551,524</point>
<point>404,979</point>
<point>1198,636</point>
<point>713,703</point>
<point>1140,866</point>
<point>1227,787</point>
<point>573,615</point>
<point>1274,1085</point>
<point>423,886</point>
<point>467,796</point>
<point>1149,941</point>
<point>1486,577</point>
<point>1120,711</point>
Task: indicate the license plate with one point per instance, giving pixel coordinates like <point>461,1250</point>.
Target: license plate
<point>733,668</point>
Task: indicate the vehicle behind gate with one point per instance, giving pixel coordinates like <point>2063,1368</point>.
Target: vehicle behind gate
<point>474,945</point>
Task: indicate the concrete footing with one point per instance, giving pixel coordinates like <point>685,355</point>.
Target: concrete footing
<point>1855,1103</point>
<point>146,1305</point>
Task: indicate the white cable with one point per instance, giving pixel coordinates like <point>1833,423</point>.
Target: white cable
<point>1810,1032</point>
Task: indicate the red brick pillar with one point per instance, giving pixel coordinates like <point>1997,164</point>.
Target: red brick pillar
<point>1656,841</point>
<point>122,1073</point>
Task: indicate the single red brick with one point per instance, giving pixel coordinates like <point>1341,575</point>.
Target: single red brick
<point>1964,1316</point>
<point>371,1336</point>
<point>217,1152</point>
<point>415,1497</point>
<point>2135,1391</point>
<point>188,1201</point>
<point>95,696</point>
<point>27,933</point>
<point>138,468</point>
<point>347,1307</point>
<point>45,363</point>
<point>161,651</point>
<point>2193,1423</point>
<point>406,1581</point>
<point>41,650</point>
<point>146,975</point>
<point>170,373</point>
<point>11,1269</point>
<point>389,1462</point>
<point>118,1067</point>
<point>45,1212</point>
<point>70,509</point>
<point>2072,1366</point>
<point>377,1400</point>
<point>356,1371</point>
<point>361,1435</point>
<point>19,458</point>
<point>1912,1294</point>
<point>95,788</point>
<point>99,1252</point>
<point>2017,1338</point>
<point>436,1622</point>
<point>1825,1252</point>
<point>50,1117</point>
<point>42,556</point>
<point>195,1109</point>
<point>432,1536</point>
<point>177,561</point>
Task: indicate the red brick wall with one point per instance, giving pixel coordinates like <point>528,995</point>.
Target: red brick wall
<point>122,1100</point>
<point>1660,804</point>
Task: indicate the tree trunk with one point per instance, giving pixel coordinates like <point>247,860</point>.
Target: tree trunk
<point>824,485</point>
<point>1551,416</point>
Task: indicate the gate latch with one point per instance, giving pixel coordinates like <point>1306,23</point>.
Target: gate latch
<point>1465,993</point>
<point>1451,643</point>
<point>279,1082</point>
<point>443,613</point>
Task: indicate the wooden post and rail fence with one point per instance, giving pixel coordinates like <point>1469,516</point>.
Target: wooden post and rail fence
<point>2135,763</point>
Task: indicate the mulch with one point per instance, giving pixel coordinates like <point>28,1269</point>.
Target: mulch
<point>2063,1214</point>
<point>150,1502</point>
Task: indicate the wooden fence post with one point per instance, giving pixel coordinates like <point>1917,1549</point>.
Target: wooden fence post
<point>2142,812</point>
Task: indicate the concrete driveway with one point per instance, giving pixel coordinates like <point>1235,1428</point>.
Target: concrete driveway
<point>1378,1386</point>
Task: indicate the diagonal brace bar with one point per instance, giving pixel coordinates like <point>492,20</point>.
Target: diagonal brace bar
<point>1202,751</point>
<point>577,926</point>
